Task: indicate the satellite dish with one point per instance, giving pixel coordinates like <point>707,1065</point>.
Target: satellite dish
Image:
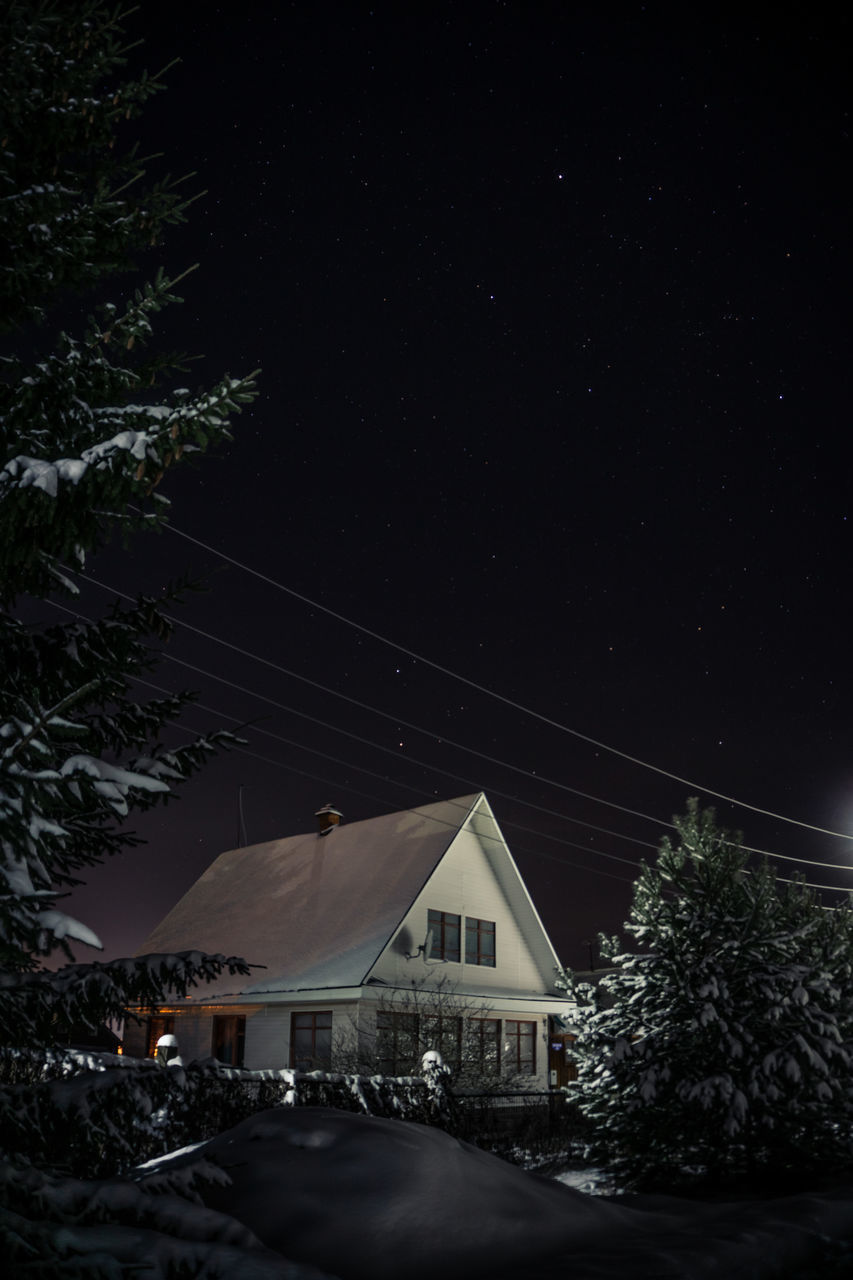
<point>423,951</point>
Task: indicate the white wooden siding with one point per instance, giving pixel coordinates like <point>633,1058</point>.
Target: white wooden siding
<point>465,884</point>
<point>267,1043</point>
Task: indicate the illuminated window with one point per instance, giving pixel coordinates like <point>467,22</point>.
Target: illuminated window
<point>157,1027</point>
<point>480,942</point>
<point>311,1041</point>
<point>445,927</point>
<point>520,1047</point>
<point>229,1038</point>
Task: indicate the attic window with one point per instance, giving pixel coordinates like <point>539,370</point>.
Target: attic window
<point>479,941</point>
<point>446,929</point>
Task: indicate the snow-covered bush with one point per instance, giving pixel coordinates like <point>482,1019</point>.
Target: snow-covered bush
<point>106,1114</point>
<point>724,1044</point>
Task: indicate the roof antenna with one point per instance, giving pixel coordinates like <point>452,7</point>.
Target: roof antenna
<point>242,837</point>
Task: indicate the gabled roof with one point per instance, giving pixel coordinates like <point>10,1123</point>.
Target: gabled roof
<point>315,910</point>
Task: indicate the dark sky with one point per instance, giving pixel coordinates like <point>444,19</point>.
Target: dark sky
<point>551,307</point>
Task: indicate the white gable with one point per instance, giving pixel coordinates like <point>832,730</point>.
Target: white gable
<point>476,878</point>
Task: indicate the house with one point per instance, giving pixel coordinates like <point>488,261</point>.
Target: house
<point>378,939</point>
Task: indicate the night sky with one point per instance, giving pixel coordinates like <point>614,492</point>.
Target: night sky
<point>551,308</point>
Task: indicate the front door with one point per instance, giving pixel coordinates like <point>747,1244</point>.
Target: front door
<point>562,1069</point>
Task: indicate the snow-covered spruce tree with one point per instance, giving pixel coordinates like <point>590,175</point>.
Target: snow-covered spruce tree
<point>724,1044</point>
<point>88,427</point>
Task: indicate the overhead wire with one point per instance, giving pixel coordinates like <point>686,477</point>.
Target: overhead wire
<point>396,720</point>
<point>412,760</point>
<point>509,702</point>
<point>379,747</point>
<point>344,786</point>
<point>520,848</point>
<point>538,778</point>
<point>349,787</point>
<point>493,791</point>
<point>277,737</point>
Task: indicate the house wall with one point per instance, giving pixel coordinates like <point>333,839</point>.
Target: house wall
<point>452,1005</point>
<point>465,884</point>
<point>267,1043</point>
<point>133,1040</point>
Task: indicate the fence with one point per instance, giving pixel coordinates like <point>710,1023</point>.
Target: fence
<point>110,1113</point>
<point>423,1098</point>
<point>524,1116</point>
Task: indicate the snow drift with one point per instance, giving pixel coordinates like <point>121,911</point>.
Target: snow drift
<point>363,1198</point>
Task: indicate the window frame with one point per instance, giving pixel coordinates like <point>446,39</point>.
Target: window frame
<point>483,1034</point>
<point>476,930</point>
<point>319,1061</point>
<point>515,1037</point>
<point>234,1036</point>
<point>397,1042</point>
<point>442,924</point>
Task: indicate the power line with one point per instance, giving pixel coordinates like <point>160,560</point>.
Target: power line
<point>376,746</point>
<point>509,702</point>
<point>804,862</point>
<point>468,782</point>
<point>364,706</point>
<point>346,764</point>
<point>537,853</point>
<point>493,791</point>
<point>768,853</point>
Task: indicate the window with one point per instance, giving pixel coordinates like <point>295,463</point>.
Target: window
<point>311,1041</point>
<point>403,1038</point>
<point>397,1044</point>
<point>520,1047</point>
<point>479,942</point>
<point>483,1045</point>
<point>445,928</point>
<point>229,1038</point>
<point>157,1027</point>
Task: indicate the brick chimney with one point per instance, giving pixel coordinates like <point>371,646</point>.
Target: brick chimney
<point>327,818</point>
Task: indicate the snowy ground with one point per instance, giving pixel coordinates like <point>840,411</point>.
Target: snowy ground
<point>361,1198</point>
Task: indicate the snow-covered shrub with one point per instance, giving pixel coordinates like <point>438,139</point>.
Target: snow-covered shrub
<point>99,1115</point>
<point>724,1044</point>
<point>61,1228</point>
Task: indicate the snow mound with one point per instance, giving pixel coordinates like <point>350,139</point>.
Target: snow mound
<point>364,1198</point>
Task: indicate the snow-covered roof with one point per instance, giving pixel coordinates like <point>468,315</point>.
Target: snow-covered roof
<point>316,910</point>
